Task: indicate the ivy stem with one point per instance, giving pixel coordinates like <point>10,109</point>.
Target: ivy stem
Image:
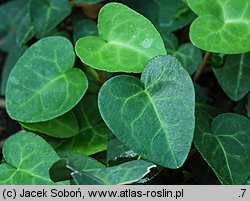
<point>202,66</point>
<point>93,73</point>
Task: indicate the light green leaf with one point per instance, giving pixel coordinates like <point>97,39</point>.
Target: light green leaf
<point>222,26</point>
<point>164,96</point>
<point>43,85</point>
<point>64,126</point>
<point>224,144</point>
<point>25,31</point>
<point>173,14</point>
<point>46,14</point>
<point>234,75</point>
<point>189,55</point>
<point>27,160</point>
<point>85,28</point>
<point>126,42</point>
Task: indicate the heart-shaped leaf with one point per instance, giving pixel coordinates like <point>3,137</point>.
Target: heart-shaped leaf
<point>46,14</point>
<point>87,1</point>
<point>234,75</point>
<point>85,28</point>
<point>43,85</point>
<point>92,135</point>
<point>154,116</point>
<point>189,55</point>
<point>64,126</point>
<point>25,30</point>
<point>222,26</point>
<point>173,14</point>
<point>27,160</point>
<point>121,46</point>
<point>224,144</point>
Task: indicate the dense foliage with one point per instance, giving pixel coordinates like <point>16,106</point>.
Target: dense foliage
<point>127,91</point>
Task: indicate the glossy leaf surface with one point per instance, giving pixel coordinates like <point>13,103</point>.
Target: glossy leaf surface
<point>224,23</point>
<point>122,45</point>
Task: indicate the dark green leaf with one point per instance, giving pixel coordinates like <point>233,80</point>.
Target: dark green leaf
<point>87,1</point>
<point>10,62</point>
<point>64,126</point>
<point>120,47</point>
<point>44,81</point>
<point>27,160</point>
<point>47,14</point>
<point>10,15</point>
<point>92,136</point>
<point>25,30</point>
<point>234,76</point>
<point>224,144</point>
<point>189,55</point>
<point>156,114</point>
<point>173,14</point>
<point>85,28</point>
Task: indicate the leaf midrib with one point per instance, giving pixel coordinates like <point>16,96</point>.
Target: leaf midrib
<point>163,127</point>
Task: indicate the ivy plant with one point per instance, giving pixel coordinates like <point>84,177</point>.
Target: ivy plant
<point>125,92</point>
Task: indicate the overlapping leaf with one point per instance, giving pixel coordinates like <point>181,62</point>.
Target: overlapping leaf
<point>154,117</point>
<point>46,14</point>
<point>86,170</point>
<point>27,160</point>
<point>44,81</point>
<point>234,75</point>
<point>126,42</point>
<point>189,55</point>
<point>224,144</point>
<point>64,126</point>
<point>92,135</point>
<point>225,24</point>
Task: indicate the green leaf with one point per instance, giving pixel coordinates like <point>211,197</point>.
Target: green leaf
<point>124,173</point>
<point>189,55</point>
<point>27,160</point>
<point>25,31</point>
<point>156,114</point>
<point>10,62</point>
<point>43,85</point>
<point>85,28</point>
<point>224,144</point>
<point>173,14</point>
<point>87,142</point>
<point>92,135</point>
<point>117,150</point>
<point>64,126</point>
<point>10,14</point>
<point>234,75</point>
<point>86,170</point>
<point>47,14</point>
<point>87,1</point>
<point>63,168</point>
<point>225,24</point>
<point>122,45</point>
